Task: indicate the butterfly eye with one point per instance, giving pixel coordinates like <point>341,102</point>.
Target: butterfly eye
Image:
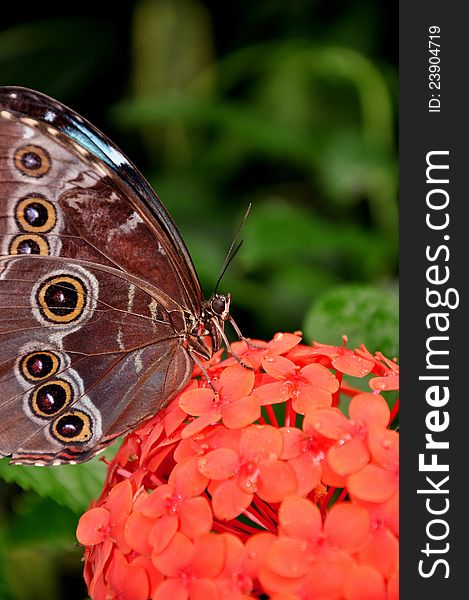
<point>50,398</point>
<point>219,305</point>
<point>32,161</point>
<point>74,426</point>
<point>36,214</point>
<point>39,365</point>
<point>29,244</point>
<point>62,299</point>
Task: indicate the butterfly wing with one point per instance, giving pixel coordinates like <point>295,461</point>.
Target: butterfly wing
<point>66,190</point>
<point>93,279</point>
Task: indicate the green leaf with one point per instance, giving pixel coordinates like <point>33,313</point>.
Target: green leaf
<point>5,588</point>
<point>70,485</point>
<point>41,521</point>
<point>366,315</point>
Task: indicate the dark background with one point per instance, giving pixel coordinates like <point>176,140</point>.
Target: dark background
<point>288,105</point>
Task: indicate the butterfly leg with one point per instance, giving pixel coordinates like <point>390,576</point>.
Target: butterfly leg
<point>241,336</point>
<point>228,345</point>
<point>198,362</point>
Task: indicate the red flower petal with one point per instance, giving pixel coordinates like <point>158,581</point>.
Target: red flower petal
<point>330,477</point>
<point>289,557</point>
<point>219,464</point>
<point>229,500</point>
<point>326,577</point>
<point>162,532</point>
<point>351,364</point>
<point>136,532</point>
<point>293,442</point>
<point>260,443</point>
<point>209,556</point>
<point>318,376</point>
<point>300,518</point>
<point>279,367</point>
<point>384,384</point>
<point>209,418</point>
<point>393,587</point>
<point>156,503</point>
<point>117,535</point>
<point>221,437</point>
<point>119,500</point>
<point>369,408</point>
<point>257,547</point>
<point>177,555</point>
<point>272,393</point>
<point>187,479</point>
<point>197,402</point>
<point>234,555</point>
<point>154,577</point>
<point>364,583</point>
<point>382,552</point>
<point>283,342</point>
<point>384,514</point>
<point>272,582</point>
<point>329,422</point>
<point>276,481</point>
<point>308,398</point>
<point>172,418</point>
<point>235,382</point>
<point>171,588</point>
<point>384,446</point>
<point>347,527</point>
<point>349,457</point>
<point>240,413</point>
<point>308,473</point>
<point>130,582</point>
<point>203,589</point>
<point>195,516</point>
<point>101,561</point>
<point>92,526</point>
<point>372,483</point>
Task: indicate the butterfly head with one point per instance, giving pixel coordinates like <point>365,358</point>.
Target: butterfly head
<point>215,311</point>
<point>218,307</point>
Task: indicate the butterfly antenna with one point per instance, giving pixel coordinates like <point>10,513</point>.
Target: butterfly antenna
<point>233,251</point>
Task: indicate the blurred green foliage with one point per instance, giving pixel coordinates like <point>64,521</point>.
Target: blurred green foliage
<point>290,106</point>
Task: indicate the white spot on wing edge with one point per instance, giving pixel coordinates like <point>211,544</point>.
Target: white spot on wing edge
<point>138,360</point>
<point>49,116</point>
<point>116,156</point>
<point>100,169</point>
<point>29,121</point>
<point>53,131</point>
<point>153,307</point>
<point>6,114</point>
<point>131,296</point>
<point>80,149</point>
<point>120,343</point>
<point>131,223</point>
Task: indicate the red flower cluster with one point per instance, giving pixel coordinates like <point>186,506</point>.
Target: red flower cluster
<point>262,490</point>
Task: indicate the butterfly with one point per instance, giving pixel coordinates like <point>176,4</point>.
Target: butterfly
<point>102,315</point>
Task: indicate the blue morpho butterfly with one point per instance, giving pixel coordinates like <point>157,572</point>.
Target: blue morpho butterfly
<point>101,311</point>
